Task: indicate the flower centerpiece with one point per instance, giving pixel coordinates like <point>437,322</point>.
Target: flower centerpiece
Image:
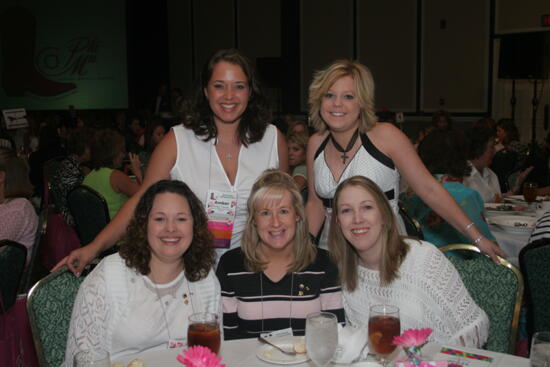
<point>199,356</point>
<point>412,341</point>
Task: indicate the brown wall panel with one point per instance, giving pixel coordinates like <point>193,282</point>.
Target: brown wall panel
<point>387,45</point>
<point>326,35</point>
<point>455,55</point>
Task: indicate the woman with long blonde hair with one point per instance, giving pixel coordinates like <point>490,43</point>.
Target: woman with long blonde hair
<point>277,276</point>
<point>350,141</point>
<point>378,266</point>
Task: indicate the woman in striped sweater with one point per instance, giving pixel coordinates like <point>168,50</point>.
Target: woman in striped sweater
<point>277,277</point>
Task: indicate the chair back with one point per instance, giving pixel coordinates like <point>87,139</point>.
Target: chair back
<point>534,260</point>
<point>412,226</point>
<point>50,305</point>
<point>90,212</point>
<point>497,289</point>
<point>13,256</point>
<point>27,279</point>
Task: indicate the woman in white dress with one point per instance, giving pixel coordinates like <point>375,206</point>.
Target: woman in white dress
<point>140,298</point>
<point>377,266</point>
<point>226,143</point>
<point>349,141</point>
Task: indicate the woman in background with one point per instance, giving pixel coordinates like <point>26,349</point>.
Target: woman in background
<point>107,154</point>
<point>511,154</point>
<point>442,152</point>
<point>18,219</point>
<point>297,147</point>
<point>153,135</point>
<point>71,171</point>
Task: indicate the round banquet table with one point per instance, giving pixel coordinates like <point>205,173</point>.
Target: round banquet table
<point>242,353</point>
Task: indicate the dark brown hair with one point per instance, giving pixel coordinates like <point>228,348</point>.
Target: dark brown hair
<point>105,146</point>
<point>16,182</point>
<point>199,258</point>
<point>199,116</point>
<point>510,130</point>
<point>443,152</point>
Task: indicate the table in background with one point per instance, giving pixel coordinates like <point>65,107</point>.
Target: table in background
<point>509,242</point>
<point>242,353</point>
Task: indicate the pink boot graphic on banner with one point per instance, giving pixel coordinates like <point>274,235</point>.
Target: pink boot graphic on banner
<point>19,72</point>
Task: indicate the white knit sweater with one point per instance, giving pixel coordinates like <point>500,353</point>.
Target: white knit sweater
<point>429,293</point>
<point>120,310</point>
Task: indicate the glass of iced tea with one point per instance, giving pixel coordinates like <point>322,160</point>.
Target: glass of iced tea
<point>204,329</point>
<point>383,326</point>
<point>530,191</point>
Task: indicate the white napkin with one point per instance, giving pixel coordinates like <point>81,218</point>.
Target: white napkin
<point>351,341</point>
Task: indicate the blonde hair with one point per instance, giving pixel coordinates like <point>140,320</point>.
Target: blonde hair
<point>394,249</point>
<point>298,138</point>
<point>271,186</point>
<point>364,90</point>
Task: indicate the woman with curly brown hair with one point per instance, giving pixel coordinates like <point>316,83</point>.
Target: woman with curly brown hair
<point>140,298</point>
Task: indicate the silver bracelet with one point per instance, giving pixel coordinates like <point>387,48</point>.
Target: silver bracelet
<point>477,240</point>
<point>469,226</point>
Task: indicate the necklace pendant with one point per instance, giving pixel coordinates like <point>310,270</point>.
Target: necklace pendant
<point>229,156</point>
<point>344,157</point>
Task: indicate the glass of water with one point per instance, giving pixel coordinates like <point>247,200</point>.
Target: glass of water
<point>321,337</point>
<point>540,349</point>
<point>92,358</point>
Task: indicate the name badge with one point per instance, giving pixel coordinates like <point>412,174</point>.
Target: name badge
<point>278,333</point>
<point>221,208</point>
<point>175,344</point>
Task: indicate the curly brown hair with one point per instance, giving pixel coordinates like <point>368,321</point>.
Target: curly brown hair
<point>198,260</point>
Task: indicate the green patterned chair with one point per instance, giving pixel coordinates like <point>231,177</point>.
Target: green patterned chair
<point>497,289</point>
<point>49,305</point>
<point>534,260</point>
<point>13,256</point>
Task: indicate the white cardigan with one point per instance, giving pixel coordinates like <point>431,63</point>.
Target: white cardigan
<point>429,293</point>
<point>119,310</point>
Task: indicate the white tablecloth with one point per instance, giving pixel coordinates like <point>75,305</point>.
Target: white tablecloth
<point>242,353</point>
<point>511,243</point>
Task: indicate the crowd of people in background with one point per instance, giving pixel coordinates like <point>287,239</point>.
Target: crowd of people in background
<point>312,199</point>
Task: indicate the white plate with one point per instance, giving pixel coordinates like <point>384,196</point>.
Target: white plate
<point>270,354</point>
<point>514,223</point>
<point>500,207</point>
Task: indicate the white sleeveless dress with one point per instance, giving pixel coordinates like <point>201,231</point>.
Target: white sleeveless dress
<point>198,165</point>
<point>368,162</point>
